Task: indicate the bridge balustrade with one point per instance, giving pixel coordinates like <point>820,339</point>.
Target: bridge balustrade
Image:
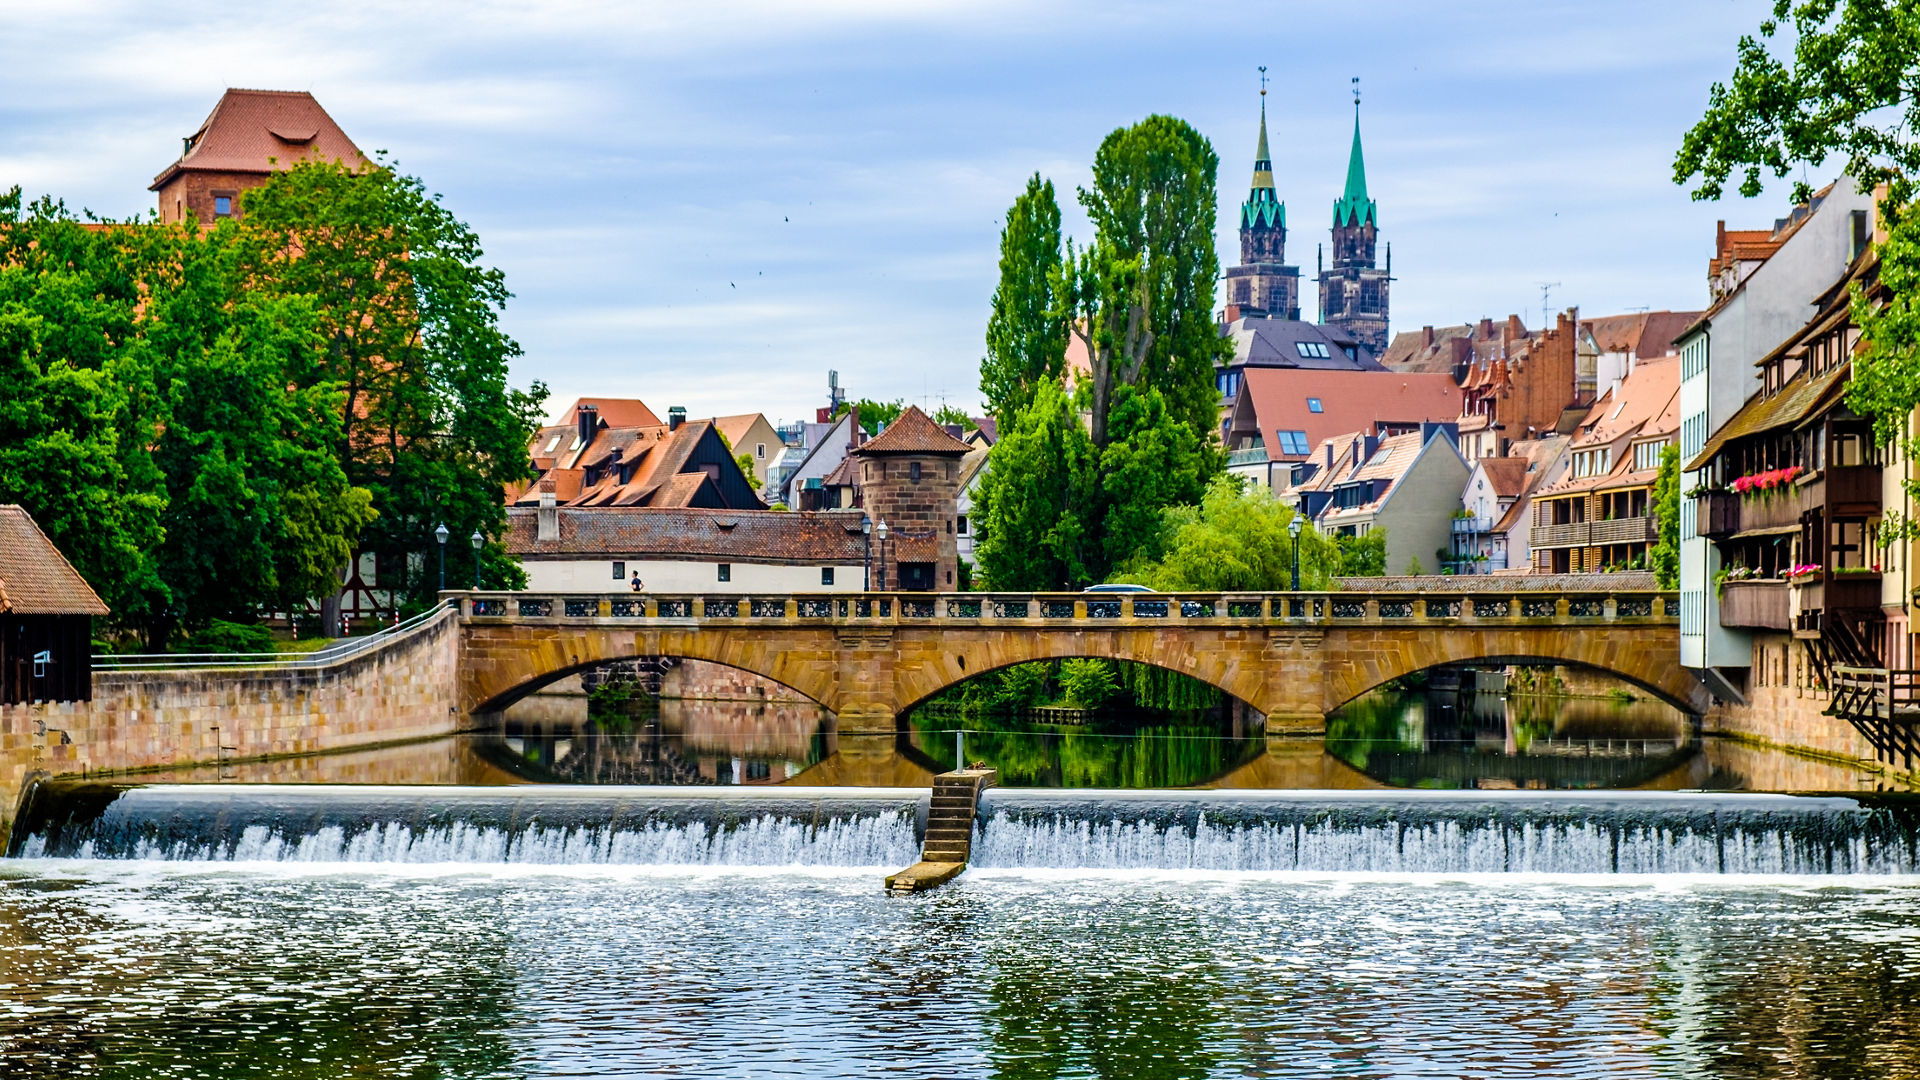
<point>1385,607</point>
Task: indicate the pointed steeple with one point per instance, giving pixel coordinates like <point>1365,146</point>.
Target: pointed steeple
<point>1353,207</point>
<point>1263,207</point>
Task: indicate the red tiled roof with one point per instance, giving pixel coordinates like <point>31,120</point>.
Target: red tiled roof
<point>614,412</point>
<point>914,432</point>
<point>1349,401</point>
<point>1508,475</point>
<point>262,130</point>
<point>35,579</point>
<point>777,536</point>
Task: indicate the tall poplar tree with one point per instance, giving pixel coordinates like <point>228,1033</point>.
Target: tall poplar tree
<point>1027,332</point>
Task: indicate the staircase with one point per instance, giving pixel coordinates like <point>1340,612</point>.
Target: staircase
<point>949,838</point>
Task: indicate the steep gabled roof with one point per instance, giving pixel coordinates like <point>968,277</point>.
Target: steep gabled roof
<point>1507,475</point>
<point>614,412</point>
<point>259,131</point>
<point>1281,398</point>
<point>914,432</point>
<point>35,579</point>
<point>826,537</point>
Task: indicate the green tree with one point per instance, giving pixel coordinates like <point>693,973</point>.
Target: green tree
<point>1154,209</point>
<point>874,415</point>
<point>952,414</point>
<point>1665,554</point>
<point>1234,540</point>
<point>409,318</point>
<point>1363,556</point>
<point>1033,527</point>
<point>1027,332</point>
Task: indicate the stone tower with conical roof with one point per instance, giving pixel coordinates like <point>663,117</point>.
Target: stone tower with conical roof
<point>1263,284</point>
<point>1353,289</point>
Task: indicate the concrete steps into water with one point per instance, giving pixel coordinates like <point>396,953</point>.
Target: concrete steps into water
<point>949,839</point>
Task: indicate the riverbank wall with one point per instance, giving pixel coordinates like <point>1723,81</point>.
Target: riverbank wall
<point>145,720</point>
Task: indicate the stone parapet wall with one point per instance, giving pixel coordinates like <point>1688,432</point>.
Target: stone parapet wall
<point>141,720</point>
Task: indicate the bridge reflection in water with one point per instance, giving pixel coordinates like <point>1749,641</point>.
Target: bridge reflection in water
<point>1413,738</point>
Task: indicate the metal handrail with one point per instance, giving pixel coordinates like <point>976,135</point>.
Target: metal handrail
<point>345,649</point>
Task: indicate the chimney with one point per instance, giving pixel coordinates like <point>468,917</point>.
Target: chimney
<point>1486,329</point>
<point>1231,314</point>
<point>676,416</point>
<point>1426,337</point>
<point>1515,329</point>
<point>549,513</point>
<point>587,418</point>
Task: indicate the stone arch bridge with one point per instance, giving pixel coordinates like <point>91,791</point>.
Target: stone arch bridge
<point>868,657</point>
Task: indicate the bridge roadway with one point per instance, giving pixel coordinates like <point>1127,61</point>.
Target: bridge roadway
<point>868,657</point>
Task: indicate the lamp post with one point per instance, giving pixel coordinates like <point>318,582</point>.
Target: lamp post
<point>1293,530</point>
<point>440,534</point>
<point>477,540</point>
<point>881,532</point>
<point>866,536</point>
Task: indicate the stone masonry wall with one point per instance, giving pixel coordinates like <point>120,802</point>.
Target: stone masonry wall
<point>700,680</point>
<point>923,509</point>
<point>151,719</point>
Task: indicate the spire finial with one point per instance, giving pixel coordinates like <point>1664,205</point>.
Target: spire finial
<point>1356,92</point>
<point>1263,80</point>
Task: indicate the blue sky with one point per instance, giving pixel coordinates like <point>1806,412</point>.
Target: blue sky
<point>711,205</point>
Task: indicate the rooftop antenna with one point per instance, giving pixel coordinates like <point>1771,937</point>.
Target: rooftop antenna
<point>1546,291</point>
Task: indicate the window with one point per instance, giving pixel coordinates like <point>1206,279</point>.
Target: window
<point>726,571</point>
<point>1313,405</point>
<point>759,450</point>
<point>913,471</point>
<point>223,206</point>
<point>619,570</point>
<point>1228,383</point>
<point>1860,234</point>
<point>1311,349</point>
<point>826,575</point>
<point>961,525</point>
<point>1646,456</point>
<point>552,444</point>
<point>1292,442</point>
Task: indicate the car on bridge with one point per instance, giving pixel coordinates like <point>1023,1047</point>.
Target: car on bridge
<point>1119,587</point>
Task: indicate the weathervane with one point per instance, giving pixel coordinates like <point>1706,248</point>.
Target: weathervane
<point>1263,80</point>
<point>1356,91</point>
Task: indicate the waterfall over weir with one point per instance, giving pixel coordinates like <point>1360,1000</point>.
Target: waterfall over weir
<point>1446,832</point>
<point>674,826</point>
<point>1378,831</point>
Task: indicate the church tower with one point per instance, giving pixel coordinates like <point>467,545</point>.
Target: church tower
<point>1262,284</point>
<point>1353,291</point>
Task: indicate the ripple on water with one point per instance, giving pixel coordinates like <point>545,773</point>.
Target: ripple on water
<point>172,970</point>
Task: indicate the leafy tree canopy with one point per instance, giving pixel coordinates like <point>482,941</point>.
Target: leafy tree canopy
<point>1027,332</point>
<point>1665,555</point>
<point>1235,540</point>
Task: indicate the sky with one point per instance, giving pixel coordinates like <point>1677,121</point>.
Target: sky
<point>713,205</point>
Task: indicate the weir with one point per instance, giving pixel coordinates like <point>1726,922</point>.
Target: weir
<point>776,827</point>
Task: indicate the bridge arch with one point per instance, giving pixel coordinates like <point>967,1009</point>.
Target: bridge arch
<point>966,656</point>
<point>1647,661</point>
<point>504,664</point>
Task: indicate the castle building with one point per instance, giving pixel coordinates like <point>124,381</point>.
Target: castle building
<point>909,477</point>
<point>1263,284</point>
<point>249,134</point>
<point>1353,291</point>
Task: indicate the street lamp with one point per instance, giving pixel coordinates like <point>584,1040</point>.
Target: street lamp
<point>881,532</point>
<point>866,536</point>
<point>440,534</point>
<point>476,539</point>
<point>1293,530</point>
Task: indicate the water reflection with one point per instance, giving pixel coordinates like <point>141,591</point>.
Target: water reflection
<point>1454,737</point>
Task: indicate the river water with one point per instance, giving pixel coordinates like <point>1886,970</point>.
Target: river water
<point>1445,886</point>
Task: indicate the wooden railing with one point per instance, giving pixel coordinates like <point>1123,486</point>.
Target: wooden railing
<point>1755,605</point>
<point>1883,705</point>
<point>1571,534</point>
<point>1633,530</point>
<point>1043,610</point>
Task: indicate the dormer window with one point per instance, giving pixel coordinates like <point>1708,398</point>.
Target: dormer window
<point>1311,349</point>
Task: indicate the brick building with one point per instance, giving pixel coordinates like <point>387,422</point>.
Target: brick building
<point>910,479</point>
<point>248,135</point>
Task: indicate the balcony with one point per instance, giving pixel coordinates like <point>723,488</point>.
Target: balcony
<point>1573,534</point>
<point>1640,530</point>
<point>1853,488</point>
<point>1717,513</point>
<point>1755,605</point>
<point>1816,600</point>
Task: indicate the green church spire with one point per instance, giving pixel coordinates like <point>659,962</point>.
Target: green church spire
<point>1354,208</point>
<point>1263,207</point>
